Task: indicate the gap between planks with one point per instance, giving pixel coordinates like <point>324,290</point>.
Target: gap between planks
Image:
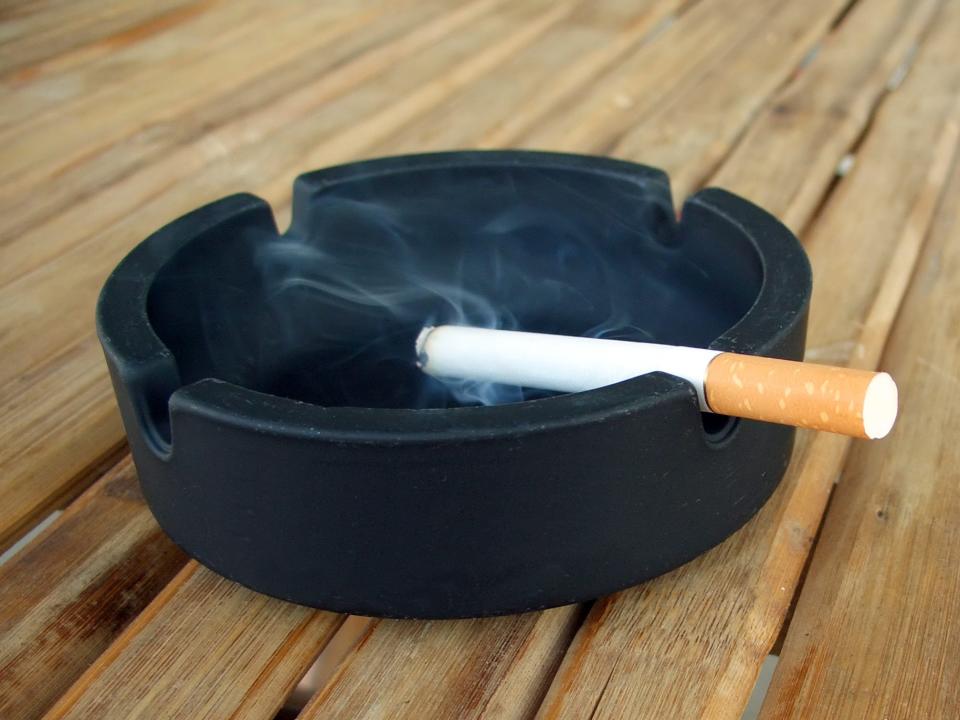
<point>829,457</point>
<point>21,510</point>
<point>816,466</point>
<point>874,633</point>
<point>351,73</point>
<point>132,631</point>
<point>67,593</point>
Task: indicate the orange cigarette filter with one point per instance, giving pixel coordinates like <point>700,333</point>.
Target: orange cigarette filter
<point>853,402</point>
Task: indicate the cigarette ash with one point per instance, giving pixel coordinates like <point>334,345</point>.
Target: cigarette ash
<point>329,311</point>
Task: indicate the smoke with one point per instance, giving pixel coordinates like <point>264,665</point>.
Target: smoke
<point>351,284</point>
<point>358,297</point>
<point>329,311</point>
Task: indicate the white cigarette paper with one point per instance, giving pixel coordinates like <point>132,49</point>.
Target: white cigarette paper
<point>552,362</point>
<point>853,402</point>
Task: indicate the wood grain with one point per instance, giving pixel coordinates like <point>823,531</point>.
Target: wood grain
<point>74,209</point>
<point>533,657</point>
<point>204,648</point>
<point>823,111</point>
<point>726,94</point>
<point>103,45</point>
<point>378,127</point>
<point>550,71</point>
<point>493,667</point>
<point>115,127</point>
<point>371,667</point>
<point>270,644</point>
<point>691,643</point>
<point>34,463</point>
<point>693,91</point>
<point>31,35</point>
<point>195,56</point>
<point>67,595</point>
<point>876,632</point>
<point>132,114</point>
<point>439,66</point>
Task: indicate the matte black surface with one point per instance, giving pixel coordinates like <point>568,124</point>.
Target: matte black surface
<point>284,437</point>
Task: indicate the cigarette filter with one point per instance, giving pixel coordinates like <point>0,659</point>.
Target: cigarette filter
<point>852,402</point>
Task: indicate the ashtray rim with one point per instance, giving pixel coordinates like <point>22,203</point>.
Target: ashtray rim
<point>141,357</point>
<point>464,512</point>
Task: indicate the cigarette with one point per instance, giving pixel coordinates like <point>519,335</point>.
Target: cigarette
<point>842,400</point>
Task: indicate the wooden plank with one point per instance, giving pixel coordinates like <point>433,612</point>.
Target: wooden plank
<point>705,38</point>
<point>378,127</point>
<point>722,66</point>
<point>198,608</point>
<point>695,638</point>
<point>219,129</point>
<point>876,632</point>
<point>29,301</point>
<point>205,647</point>
<point>28,91</point>
<point>356,693</point>
<point>56,446</point>
<point>207,60</point>
<point>729,92</point>
<point>538,653</point>
<point>60,81</point>
<point>824,108</point>
<point>823,111</point>
<point>507,103</point>
<point>66,595</point>
<point>161,21</point>
<point>29,38</point>
<point>493,667</point>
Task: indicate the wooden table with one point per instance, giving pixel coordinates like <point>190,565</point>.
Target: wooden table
<point>840,117</point>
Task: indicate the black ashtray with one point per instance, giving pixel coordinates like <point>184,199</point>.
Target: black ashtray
<point>285,437</point>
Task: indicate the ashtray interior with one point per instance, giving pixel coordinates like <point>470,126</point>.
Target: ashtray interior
<point>327,312</point>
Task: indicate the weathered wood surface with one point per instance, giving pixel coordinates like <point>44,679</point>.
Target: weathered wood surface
<point>704,629</point>
<point>32,37</point>
<point>786,159</point>
<point>262,613</point>
<point>593,39</point>
<point>205,647</point>
<point>116,117</point>
<point>876,632</point>
<point>498,668</point>
<point>67,595</point>
<point>613,660</point>
<point>82,241</point>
